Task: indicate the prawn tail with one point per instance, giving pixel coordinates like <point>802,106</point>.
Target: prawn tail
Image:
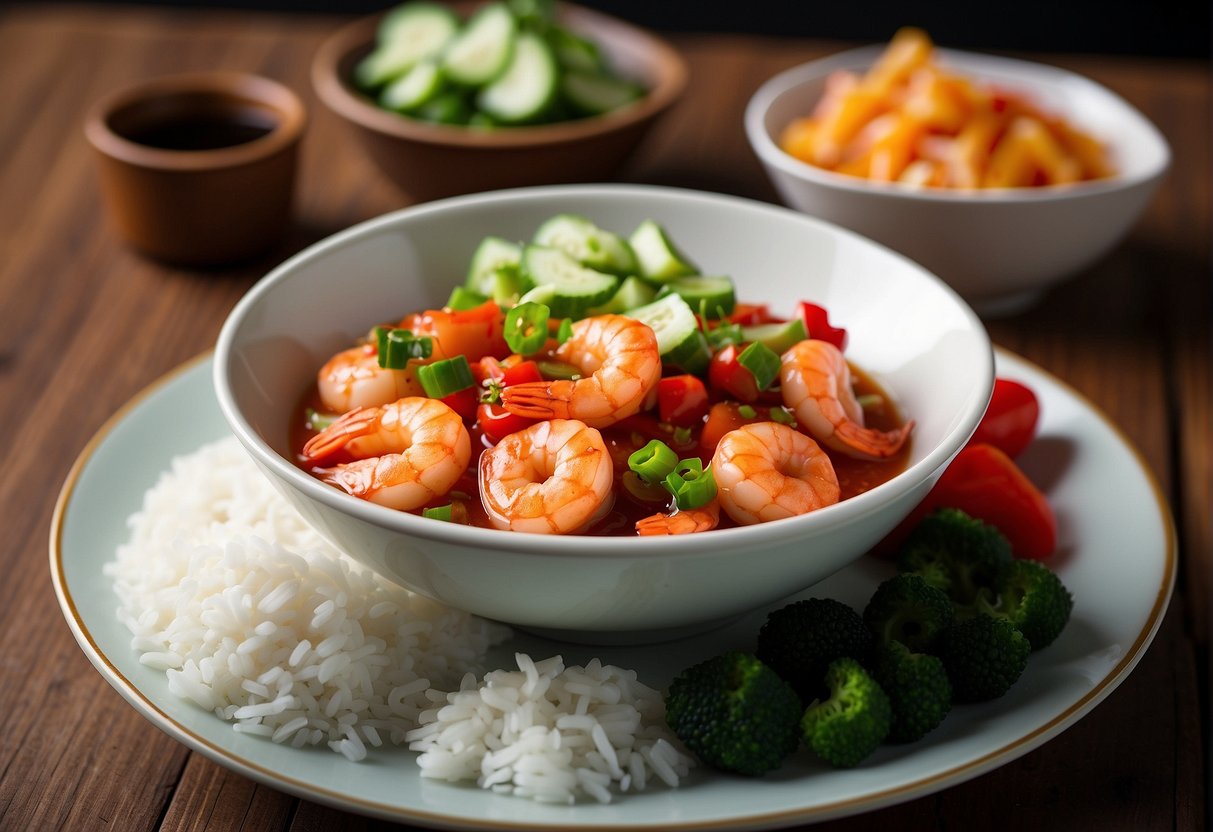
<point>876,444</point>
<point>354,478</point>
<point>539,399</point>
<point>351,425</point>
<point>680,522</point>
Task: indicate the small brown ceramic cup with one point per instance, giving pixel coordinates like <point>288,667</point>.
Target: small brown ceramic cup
<point>199,169</point>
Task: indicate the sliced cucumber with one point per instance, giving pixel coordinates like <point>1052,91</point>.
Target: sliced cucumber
<point>779,337</point>
<point>594,93</point>
<point>575,288</point>
<point>527,88</point>
<point>679,339</point>
<point>490,256</point>
<point>659,259</point>
<point>574,52</point>
<point>416,87</point>
<point>409,34</point>
<point>632,292</point>
<point>588,244</point>
<point>448,107</point>
<point>484,48</point>
<point>711,297</point>
<point>537,14</point>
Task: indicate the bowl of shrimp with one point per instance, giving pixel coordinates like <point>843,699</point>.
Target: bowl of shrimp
<point>1004,177</point>
<point>613,413</point>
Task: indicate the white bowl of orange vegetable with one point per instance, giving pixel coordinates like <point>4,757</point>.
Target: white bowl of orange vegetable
<point>1001,176</point>
<point>480,407</point>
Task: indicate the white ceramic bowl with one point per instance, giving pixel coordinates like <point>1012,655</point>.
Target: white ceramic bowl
<point>906,327</point>
<point>1001,249</point>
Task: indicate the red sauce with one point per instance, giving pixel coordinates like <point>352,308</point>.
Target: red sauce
<point>855,476</point>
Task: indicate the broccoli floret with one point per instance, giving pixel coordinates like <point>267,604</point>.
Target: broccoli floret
<point>848,726</point>
<point>917,685</point>
<point>800,640</point>
<point>735,713</point>
<point>1032,598</point>
<point>957,554</point>
<point>908,609</point>
<point>984,656</point>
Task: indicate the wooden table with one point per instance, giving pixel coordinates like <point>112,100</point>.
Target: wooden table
<point>87,324</point>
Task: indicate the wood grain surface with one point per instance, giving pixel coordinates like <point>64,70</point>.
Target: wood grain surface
<point>86,324</point>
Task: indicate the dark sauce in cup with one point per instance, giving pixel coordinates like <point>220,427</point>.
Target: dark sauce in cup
<point>203,131</point>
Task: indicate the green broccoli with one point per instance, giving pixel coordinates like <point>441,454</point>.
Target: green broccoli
<point>984,656</point>
<point>917,685</point>
<point>735,713</point>
<point>908,609</point>
<point>800,640</point>
<point>957,554</point>
<point>848,726</point>
<point>1032,598</point>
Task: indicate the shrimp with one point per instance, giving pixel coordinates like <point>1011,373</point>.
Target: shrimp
<point>407,452</point>
<point>816,384</point>
<point>621,364</point>
<point>551,478</point>
<point>767,471</point>
<point>353,378</point>
<point>687,521</point>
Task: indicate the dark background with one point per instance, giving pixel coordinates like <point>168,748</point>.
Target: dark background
<point>1168,28</point>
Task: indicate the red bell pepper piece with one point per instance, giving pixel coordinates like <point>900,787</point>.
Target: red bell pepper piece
<point>817,322</point>
<point>752,314</point>
<point>1010,420</point>
<point>985,483</point>
<point>729,376</point>
<point>682,400</point>
<point>497,423</point>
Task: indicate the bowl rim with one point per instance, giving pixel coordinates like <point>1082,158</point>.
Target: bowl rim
<point>340,97</point>
<point>770,153</point>
<point>850,511</point>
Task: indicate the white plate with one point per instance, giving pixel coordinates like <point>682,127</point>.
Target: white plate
<point>1117,555</point>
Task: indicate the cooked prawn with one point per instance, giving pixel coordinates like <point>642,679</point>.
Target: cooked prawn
<point>553,477</point>
<point>353,378</point>
<point>767,471</point>
<point>619,358</point>
<point>816,384</point>
<point>688,521</point>
<point>407,452</point>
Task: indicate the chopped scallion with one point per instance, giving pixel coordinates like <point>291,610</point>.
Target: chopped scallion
<point>443,513</point>
<point>783,416</point>
<point>399,346</point>
<point>442,378</point>
<point>746,412</point>
<point>319,421</point>
<point>653,462</point>
<point>691,484</point>
<point>565,331</point>
<point>464,298</point>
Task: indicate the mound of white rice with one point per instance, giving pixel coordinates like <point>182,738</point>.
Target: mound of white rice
<point>253,616</point>
<point>551,733</point>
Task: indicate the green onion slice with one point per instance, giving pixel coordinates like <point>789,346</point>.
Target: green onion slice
<point>526,327</point>
<point>565,331</point>
<point>464,298</point>
<point>319,421</point>
<point>691,484</point>
<point>762,362</point>
<point>783,416</point>
<point>654,461</point>
<point>723,335</point>
<point>746,412</point>
<point>443,513</point>
<point>442,378</point>
<point>399,346</point>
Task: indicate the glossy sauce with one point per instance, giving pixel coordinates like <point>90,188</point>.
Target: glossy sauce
<point>855,476</point>
<point>202,130</point>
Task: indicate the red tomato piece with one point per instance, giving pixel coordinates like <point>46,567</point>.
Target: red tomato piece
<point>751,314</point>
<point>1010,420</point>
<point>729,376</point>
<point>472,333</point>
<point>817,322</point>
<point>497,423</point>
<point>985,483</point>
<point>682,400</point>
<point>724,417</point>
<point>463,402</point>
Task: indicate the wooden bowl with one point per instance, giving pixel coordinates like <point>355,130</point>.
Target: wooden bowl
<point>428,161</point>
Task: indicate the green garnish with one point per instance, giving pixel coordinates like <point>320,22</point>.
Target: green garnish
<point>691,484</point>
<point>653,462</point>
<point>762,362</point>
<point>565,331</point>
<point>319,421</point>
<point>463,298</point>
<point>783,416</point>
<point>442,378</point>
<point>438,513</point>
<point>526,327</point>
<point>746,412</point>
<point>399,346</point>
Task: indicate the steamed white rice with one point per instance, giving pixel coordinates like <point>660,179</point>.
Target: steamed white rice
<point>253,616</point>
